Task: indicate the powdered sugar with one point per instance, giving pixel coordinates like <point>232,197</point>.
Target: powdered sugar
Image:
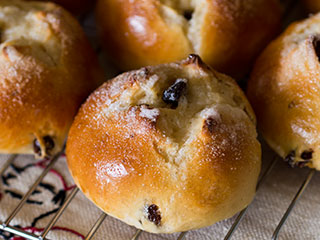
<point>302,132</point>
<point>210,112</point>
<point>150,114</point>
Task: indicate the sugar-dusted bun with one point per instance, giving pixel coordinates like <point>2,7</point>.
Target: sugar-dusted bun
<point>227,35</point>
<point>47,69</point>
<point>285,93</point>
<point>166,148</point>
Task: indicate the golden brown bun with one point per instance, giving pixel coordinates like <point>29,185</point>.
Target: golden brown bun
<point>166,159</point>
<point>228,35</point>
<point>74,6</point>
<point>312,5</point>
<point>285,93</point>
<point>47,68</point>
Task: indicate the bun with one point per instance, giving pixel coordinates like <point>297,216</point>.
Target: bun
<point>284,91</point>
<point>228,35</point>
<point>47,68</point>
<point>166,148</point>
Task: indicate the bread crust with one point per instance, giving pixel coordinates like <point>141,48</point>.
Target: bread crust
<point>47,69</point>
<point>228,35</point>
<point>131,154</point>
<point>284,92</point>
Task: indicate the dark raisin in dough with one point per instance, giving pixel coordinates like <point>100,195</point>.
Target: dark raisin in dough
<point>302,164</point>
<point>48,142</point>
<point>154,214</point>
<point>173,93</point>
<point>290,158</point>
<point>36,147</point>
<point>307,155</point>
<point>188,14</point>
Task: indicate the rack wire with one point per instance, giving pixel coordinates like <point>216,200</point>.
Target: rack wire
<point>6,227</point>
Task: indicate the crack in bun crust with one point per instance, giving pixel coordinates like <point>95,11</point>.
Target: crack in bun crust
<point>165,169</point>
<point>228,35</point>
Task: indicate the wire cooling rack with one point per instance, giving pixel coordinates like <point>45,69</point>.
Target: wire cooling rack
<point>6,226</point>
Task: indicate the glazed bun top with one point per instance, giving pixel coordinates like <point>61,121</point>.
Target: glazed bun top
<point>47,68</point>
<point>166,148</point>
<point>227,35</point>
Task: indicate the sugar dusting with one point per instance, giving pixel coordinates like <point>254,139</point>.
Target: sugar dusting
<point>150,114</point>
<point>170,160</point>
<point>210,112</point>
<point>302,132</point>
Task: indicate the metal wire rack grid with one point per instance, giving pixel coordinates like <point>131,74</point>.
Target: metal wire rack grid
<point>5,226</point>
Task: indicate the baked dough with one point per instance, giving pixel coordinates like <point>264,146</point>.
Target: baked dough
<point>228,35</point>
<point>47,69</point>
<point>285,93</point>
<point>166,148</point>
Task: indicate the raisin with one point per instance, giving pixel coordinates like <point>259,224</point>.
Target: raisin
<point>188,14</point>
<point>307,155</point>
<point>48,143</point>
<point>154,214</point>
<point>36,147</point>
<point>290,158</point>
<point>302,164</point>
<point>173,93</point>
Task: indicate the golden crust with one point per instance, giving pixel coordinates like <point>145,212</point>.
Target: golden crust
<point>284,91</point>
<point>228,35</point>
<point>47,68</point>
<point>130,153</point>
